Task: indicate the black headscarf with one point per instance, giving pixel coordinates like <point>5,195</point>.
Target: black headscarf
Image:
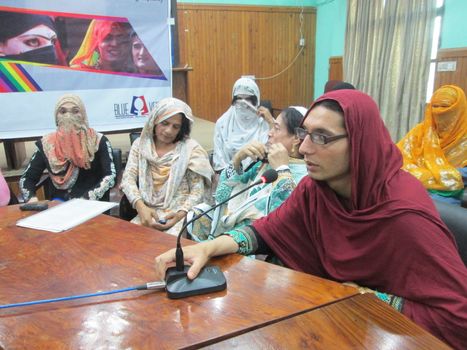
<point>16,23</point>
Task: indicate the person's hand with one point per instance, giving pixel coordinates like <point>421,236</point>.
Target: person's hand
<point>171,220</point>
<point>195,255</point>
<point>255,150</point>
<point>33,200</point>
<point>264,113</point>
<point>147,215</point>
<point>277,155</point>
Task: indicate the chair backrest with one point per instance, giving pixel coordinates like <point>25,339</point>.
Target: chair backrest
<point>211,157</point>
<point>125,210</point>
<point>117,156</point>
<point>13,199</point>
<point>455,218</point>
<point>134,135</point>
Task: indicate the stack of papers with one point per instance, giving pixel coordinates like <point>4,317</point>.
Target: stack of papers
<point>66,215</point>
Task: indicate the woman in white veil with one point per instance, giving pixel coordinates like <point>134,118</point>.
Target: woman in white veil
<point>240,124</point>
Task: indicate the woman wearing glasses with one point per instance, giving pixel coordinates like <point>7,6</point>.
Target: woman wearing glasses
<point>280,153</point>
<point>240,125</point>
<point>358,218</point>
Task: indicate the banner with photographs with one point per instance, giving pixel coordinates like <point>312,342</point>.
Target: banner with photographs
<point>114,54</point>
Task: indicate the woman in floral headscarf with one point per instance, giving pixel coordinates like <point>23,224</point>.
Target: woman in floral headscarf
<point>282,155</point>
<point>106,46</point>
<point>167,172</point>
<point>240,125</point>
<point>78,159</point>
<point>435,151</point>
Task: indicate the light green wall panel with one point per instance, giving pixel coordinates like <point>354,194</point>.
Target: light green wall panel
<point>254,2</point>
<point>330,35</point>
<point>454,26</point>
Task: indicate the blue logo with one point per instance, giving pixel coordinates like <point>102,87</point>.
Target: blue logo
<point>139,106</point>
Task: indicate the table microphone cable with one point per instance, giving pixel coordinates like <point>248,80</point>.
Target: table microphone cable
<point>158,285</point>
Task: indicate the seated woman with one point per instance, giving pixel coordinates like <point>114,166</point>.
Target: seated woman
<point>106,46</point>
<point>357,217</point>
<point>167,172</point>
<point>262,199</point>
<point>435,151</point>
<point>240,125</point>
<point>332,85</point>
<point>78,159</point>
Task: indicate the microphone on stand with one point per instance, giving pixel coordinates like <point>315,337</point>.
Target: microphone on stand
<point>211,278</point>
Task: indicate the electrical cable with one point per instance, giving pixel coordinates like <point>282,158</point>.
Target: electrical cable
<point>286,68</point>
<point>147,286</point>
<point>301,44</point>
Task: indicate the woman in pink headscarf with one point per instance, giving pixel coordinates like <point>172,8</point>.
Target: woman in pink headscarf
<point>358,218</point>
<point>4,191</point>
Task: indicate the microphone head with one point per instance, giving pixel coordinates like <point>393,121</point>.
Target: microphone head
<point>269,176</point>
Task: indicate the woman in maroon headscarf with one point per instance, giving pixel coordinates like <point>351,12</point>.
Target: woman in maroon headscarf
<point>366,221</point>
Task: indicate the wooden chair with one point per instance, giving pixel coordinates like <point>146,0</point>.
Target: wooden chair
<point>117,158</point>
<point>134,135</point>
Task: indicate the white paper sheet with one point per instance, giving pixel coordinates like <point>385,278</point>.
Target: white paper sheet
<point>66,215</point>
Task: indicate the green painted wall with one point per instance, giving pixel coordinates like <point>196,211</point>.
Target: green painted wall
<point>454,26</point>
<point>330,35</point>
<point>254,2</point>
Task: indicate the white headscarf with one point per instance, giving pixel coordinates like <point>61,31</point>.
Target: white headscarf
<point>300,109</point>
<point>238,126</point>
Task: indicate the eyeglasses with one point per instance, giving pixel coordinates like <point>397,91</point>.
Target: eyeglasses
<point>316,137</point>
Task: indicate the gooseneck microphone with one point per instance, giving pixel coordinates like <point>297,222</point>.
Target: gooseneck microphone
<point>210,278</point>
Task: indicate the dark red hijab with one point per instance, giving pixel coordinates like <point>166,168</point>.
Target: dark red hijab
<point>392,240</point>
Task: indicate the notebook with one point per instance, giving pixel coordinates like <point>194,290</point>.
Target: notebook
<point>66,215</point>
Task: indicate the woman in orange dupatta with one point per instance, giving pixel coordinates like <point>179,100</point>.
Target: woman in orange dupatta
<point>435,151</point>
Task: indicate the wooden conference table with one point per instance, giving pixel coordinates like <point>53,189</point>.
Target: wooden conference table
<point>107,253</point>
<point>359,322</point>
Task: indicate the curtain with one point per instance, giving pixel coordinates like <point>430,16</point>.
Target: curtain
<point>387,55</point>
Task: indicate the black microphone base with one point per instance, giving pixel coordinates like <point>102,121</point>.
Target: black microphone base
<point>210,279</point>
<point>172,274</point>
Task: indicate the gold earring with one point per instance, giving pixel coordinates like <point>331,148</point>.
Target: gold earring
<point>294,151</point>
